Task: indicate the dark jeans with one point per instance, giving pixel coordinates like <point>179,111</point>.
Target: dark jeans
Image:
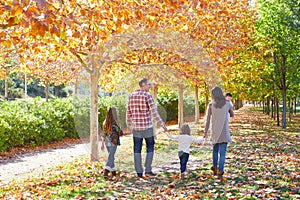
<point>138,137</point>
<point>184,158</point>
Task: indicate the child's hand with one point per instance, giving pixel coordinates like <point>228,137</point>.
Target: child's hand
<point>102,147</point>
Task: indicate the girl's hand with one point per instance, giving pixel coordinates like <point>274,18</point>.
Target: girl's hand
<point>102,147</point>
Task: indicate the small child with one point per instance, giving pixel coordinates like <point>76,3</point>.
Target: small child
<point>184,142</point>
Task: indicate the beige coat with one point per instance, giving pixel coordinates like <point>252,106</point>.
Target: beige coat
<point>219,120</point>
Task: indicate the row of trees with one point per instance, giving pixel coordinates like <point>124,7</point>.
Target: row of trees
<point>248,47</point>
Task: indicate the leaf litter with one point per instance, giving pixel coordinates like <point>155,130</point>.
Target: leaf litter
<point>262,163</point>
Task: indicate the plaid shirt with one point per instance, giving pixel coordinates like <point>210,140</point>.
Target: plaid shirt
<point>140,106</point>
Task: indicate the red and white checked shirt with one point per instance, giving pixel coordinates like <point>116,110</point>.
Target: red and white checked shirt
<point>140,106</point>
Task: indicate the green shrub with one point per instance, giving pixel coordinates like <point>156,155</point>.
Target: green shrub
<point>34,122</point>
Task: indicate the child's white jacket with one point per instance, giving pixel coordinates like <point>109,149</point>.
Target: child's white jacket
<point>184,141</point>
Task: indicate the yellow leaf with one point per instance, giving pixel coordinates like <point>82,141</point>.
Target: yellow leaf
<point>7,43</point>
<point>17,10</point>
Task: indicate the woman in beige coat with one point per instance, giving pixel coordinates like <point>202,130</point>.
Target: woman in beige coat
<point>217,116</point>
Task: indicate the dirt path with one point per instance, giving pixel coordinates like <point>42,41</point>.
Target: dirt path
<point>36,162</point>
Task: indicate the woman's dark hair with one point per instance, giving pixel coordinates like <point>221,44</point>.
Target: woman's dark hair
<point>218,97</point>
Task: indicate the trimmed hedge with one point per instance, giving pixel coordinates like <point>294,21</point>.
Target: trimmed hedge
<point>38,122</point>
<point>33,123</point>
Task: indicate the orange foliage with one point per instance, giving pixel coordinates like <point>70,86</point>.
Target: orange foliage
<point>77,26</point>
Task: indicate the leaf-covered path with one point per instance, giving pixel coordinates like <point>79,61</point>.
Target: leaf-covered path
<point>262,163</point>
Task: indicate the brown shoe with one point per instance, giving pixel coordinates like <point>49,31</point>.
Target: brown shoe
<point>114,173</point>
<point>106,172</point>
<point>220,174</point>
<point>215,170</point>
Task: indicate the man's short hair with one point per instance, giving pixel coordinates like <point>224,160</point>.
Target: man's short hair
<point>228,94</point>
<point>143,81</point>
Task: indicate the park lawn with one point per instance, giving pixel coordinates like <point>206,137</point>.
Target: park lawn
<point>262,163</point>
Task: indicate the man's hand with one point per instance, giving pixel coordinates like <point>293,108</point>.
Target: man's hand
<point>165,129</point>
<point>205,135</point>
<point>127,131</point>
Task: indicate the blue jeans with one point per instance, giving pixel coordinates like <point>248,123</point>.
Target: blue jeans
<point>219,148</point>
<point>138,137</point>
<point>110,163</point>
<point>184,158</point>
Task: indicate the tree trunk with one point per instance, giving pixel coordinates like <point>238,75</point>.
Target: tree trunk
<point>56,91</point>
<point>94,77</point>
<point>197,113</point>
<point>290,109</point>
<point>206,95</point>
<point>238,103</point>
<point>277,112</point>
<point>272,108</point>
<point>206,100</point>
<point>284,108</point>
<point>154,95</point>
<point>268,106</point>
<point>76,87</point>
<point>295,108</point>
<point>6,84</point>
<point>180,105</point>
<point>47,91</point>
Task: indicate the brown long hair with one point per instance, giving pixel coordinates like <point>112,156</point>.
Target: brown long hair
<point>218,97</point>
<point>110,119</point>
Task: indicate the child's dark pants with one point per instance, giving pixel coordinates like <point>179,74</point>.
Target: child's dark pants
<point>184,157</point>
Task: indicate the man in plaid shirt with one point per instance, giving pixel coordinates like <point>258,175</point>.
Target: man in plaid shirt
<point>140,107</point>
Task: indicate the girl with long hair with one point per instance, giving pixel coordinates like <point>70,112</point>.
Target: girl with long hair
<point>111,138</point>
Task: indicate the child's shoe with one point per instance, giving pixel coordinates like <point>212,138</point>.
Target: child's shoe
<point>183,175</point>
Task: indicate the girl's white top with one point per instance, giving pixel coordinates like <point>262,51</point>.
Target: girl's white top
<point>184,141</point>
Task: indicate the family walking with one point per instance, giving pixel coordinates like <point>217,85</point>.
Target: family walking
<point>141,109</point>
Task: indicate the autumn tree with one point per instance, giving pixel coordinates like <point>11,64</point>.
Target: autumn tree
<point>99,33</point>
